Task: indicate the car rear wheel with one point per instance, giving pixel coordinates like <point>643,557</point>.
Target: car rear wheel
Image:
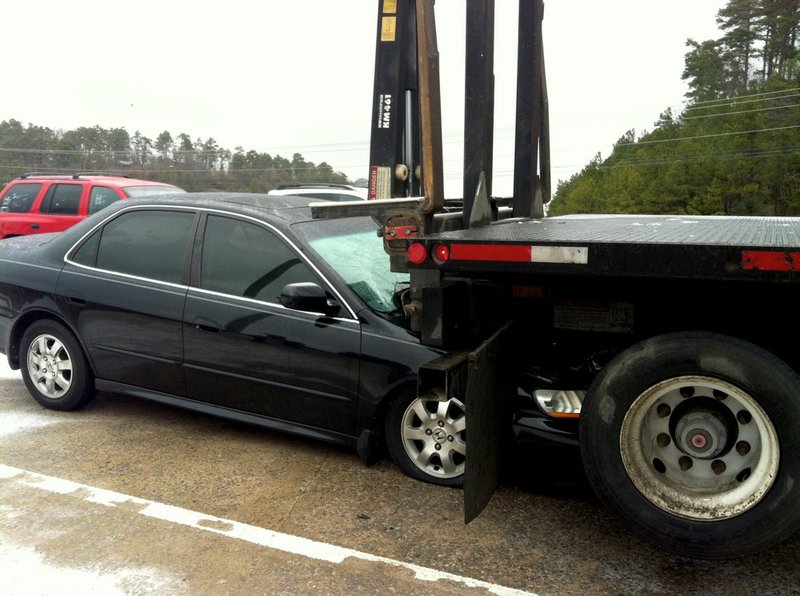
<point>54,367</point>
<point>426,437</point>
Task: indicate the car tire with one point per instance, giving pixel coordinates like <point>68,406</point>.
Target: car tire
<point>54,367</point>
<point>426,437</point>
<point>692,439</point>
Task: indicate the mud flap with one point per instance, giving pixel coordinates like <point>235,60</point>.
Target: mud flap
<point>489,379</point>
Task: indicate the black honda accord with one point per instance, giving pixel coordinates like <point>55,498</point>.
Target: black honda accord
<point>241,306</point>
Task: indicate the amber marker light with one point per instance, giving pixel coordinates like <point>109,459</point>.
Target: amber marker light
<point>560,403</point>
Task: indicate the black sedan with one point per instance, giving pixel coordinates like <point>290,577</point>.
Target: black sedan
<point>237,305</point>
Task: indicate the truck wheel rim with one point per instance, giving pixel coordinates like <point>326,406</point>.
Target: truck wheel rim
<point>50,366</point>
<point>434,435</point>
<point>699,448</point>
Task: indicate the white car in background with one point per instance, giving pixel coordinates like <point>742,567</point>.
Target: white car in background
<point>323,191</point>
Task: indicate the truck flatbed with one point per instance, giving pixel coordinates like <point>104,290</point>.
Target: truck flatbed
<point>666,246</point>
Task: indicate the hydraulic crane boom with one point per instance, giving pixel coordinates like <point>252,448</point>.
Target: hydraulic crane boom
<point>406,144</point>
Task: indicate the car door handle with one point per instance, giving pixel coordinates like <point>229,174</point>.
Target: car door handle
<point>34,226</point>
<point>204,324</point>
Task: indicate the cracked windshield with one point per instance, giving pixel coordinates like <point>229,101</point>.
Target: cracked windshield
<point>354,250</point>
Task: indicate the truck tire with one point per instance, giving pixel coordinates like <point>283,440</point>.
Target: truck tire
<point>693,439</point>
<point>54,367</point>
<point>426,437</point>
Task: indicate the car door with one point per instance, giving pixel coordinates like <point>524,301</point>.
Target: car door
<point>63,206</point>
<point>16,205</point>
<point>125,287</point>
<point>245,351</point>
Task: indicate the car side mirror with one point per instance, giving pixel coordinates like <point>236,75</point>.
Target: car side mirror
<point>309,297</point>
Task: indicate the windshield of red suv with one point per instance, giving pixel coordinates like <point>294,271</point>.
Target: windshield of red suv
<point>151,190</point>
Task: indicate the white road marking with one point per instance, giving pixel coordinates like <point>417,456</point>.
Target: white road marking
<point>25,572</point>
<point>233,529</point>
<point>5,370</point>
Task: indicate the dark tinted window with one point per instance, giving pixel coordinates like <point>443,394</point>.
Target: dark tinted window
<point>101,196</point>
<point>20,197</point>
<point>152,244</point>
<point>87,252</point>
<point>63,199</point>
<point>244,259</point>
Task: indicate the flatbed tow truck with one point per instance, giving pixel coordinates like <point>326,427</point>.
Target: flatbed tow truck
<point>671,341</point>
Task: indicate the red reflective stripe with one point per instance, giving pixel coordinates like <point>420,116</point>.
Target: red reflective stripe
<point>763,260</point>
<point>490,252</point>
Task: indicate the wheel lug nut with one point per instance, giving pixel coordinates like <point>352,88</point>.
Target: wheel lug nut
<point>450,438</point>
<point>428,432</point>
<point>441,423</point>
<point>438,447</point>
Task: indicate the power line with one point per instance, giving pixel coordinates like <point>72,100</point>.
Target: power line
<point>722,156</point>
<point>762,93</point>
<point>176,170</point>
<point>737,101</point>
<point>709,136</point>
<point>795,105</point>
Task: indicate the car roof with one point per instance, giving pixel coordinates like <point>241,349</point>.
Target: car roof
<point>357,192</point>
<point>119,180</point>
<point>289,208</point>
<point>318,185</point>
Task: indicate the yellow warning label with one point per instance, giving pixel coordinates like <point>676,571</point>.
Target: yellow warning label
<point>390,6</point>
<point>388,28</point>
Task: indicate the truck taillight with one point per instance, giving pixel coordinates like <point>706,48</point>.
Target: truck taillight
<point>441,254</point>
<point>417,253</point>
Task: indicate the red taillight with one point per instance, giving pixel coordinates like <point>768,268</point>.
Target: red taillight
<point>416,253</point>
<point>441,254</point>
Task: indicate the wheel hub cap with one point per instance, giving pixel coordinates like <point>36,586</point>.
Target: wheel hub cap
<point>701,434</point>
<point>434,435</point>
<point>699,448</point>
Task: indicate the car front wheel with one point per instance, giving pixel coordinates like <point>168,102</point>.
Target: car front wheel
<point>54,367</point>
<point>426,437</point>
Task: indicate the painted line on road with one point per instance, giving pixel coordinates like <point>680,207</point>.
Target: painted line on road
<point>233,529</point>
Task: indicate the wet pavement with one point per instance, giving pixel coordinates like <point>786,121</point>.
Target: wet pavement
<point>131,497</point>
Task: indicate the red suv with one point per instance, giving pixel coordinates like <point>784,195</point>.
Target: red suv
<point>39,203</point>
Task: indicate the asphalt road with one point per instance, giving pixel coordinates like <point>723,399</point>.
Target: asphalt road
<point>131,497</point>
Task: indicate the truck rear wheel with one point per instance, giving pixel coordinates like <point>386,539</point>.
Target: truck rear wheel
<point>691,437</point>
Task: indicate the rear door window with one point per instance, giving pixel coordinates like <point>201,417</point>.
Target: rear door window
<point>63,199</point>
<point>20,197</point>
<point>152,244</point>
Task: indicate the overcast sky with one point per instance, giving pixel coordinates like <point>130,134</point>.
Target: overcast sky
<point>295,76</point>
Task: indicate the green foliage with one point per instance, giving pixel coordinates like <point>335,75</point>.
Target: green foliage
<point>735,149</point>
<point>193,165</point>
